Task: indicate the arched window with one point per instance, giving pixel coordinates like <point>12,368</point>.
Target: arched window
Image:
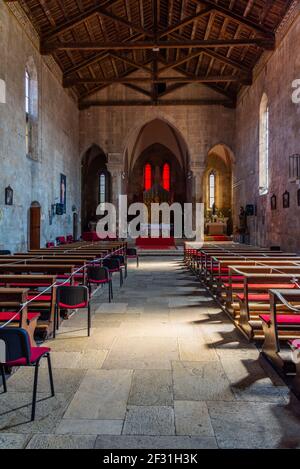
<point>264,145</point>
<point>148,177</point>
<point>166,177</point>
<point>31,110</point>
<point>212,189</point>
<point>28,112</point>
<point>102,188</point>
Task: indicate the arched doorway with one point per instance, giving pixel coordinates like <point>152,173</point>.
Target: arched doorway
<point>217,190</point>
<point>157,166</point>
<point>96,185</point>
<point>35,226</point>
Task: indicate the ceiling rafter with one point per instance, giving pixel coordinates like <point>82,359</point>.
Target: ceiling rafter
<point>201,40</point>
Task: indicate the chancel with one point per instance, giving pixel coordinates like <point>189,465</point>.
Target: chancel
<point>122,123</point>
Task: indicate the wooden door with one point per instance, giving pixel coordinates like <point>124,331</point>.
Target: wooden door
<point>35,227</point>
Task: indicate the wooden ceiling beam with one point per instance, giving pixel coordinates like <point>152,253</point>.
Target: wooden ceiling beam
<point>160,102</point>
<point>130,79</point>
<point>46,49</point>
<point>124,22</point>
<point>185,22</point>
<point>130,62</point>
<point>75,21</point>
<point>95,58</point>
<point>238,18</point>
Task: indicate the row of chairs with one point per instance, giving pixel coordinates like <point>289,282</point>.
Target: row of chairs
<point>18,349</point>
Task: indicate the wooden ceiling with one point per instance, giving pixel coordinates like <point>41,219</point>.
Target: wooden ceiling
<point>100,43</point>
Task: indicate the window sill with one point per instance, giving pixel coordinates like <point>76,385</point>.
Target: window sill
<point>263,192</point>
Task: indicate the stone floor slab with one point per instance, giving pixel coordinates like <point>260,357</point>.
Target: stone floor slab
<point>103,395</point>
<point>149,420</point>
<point>151,388</point>
<point>154,442</point>
<point>89,427</point>
<point>200,381</point>
<point>62,442</point>
<point>192,418</point>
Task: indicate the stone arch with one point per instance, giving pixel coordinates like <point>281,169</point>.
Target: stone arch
<point>134,137</point>
<point>220,159</point>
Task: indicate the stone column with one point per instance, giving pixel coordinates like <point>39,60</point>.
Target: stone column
<point>196,178</point>
<point>115,167</point>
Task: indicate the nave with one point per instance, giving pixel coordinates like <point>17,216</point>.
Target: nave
<point>164,368</point>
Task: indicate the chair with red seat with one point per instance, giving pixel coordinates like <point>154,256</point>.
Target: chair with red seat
<point>98,275</point>
<point>18,352</point>
<point>123,262</point>
<point>114,265</point>
<point>72,297</point>
<point>132,253</point>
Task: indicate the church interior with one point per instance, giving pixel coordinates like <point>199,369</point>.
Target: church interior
<point>115,341</point>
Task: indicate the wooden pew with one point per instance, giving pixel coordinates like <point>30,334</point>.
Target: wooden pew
<point>45,304</point>
<point>252,293</point>
<point>60,271</point>
<point>11,301</point>
<point>68,264</point>
<point>281,325</point>
<point>219,278</point>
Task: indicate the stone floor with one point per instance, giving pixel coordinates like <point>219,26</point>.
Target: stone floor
<point>164,368</point>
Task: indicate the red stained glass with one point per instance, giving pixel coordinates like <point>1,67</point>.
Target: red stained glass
<point>166,177</point>
<point>148,177</point>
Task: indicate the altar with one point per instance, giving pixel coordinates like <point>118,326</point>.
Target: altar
<point>216,228</point>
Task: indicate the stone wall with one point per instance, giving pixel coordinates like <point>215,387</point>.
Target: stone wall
<point>57,141</point>
<point>281,226</point>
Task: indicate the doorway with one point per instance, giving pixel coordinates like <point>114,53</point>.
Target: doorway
<point>35,226</point>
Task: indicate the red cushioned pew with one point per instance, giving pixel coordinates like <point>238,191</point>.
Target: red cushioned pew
<point>249,302</point>
<point>44,304</point>
<point>11,301</point>
<point>281,325</point>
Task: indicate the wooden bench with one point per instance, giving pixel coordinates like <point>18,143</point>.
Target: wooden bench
<point>221,277</point>
<point>244,299</point>
<point>11,302</point>
<point>44,304</point>
<point>76,264</point>
<point>281,325</point>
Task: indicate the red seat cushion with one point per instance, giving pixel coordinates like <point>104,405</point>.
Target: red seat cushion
<point>227,277</point>
<point>282,318</point>
<point>295,343</point>
<point>40,298</point>
<point>79,305</point>
<point>223,269</point>
<point>68,284</point>
<point>263,286</point>
<point>98,281</point>
<point>36,353</point>
<point>253,297</point>
<point>6,316</point>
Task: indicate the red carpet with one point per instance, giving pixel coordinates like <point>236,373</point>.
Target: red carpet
<point>155,243</point>
<point>219,238</point>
